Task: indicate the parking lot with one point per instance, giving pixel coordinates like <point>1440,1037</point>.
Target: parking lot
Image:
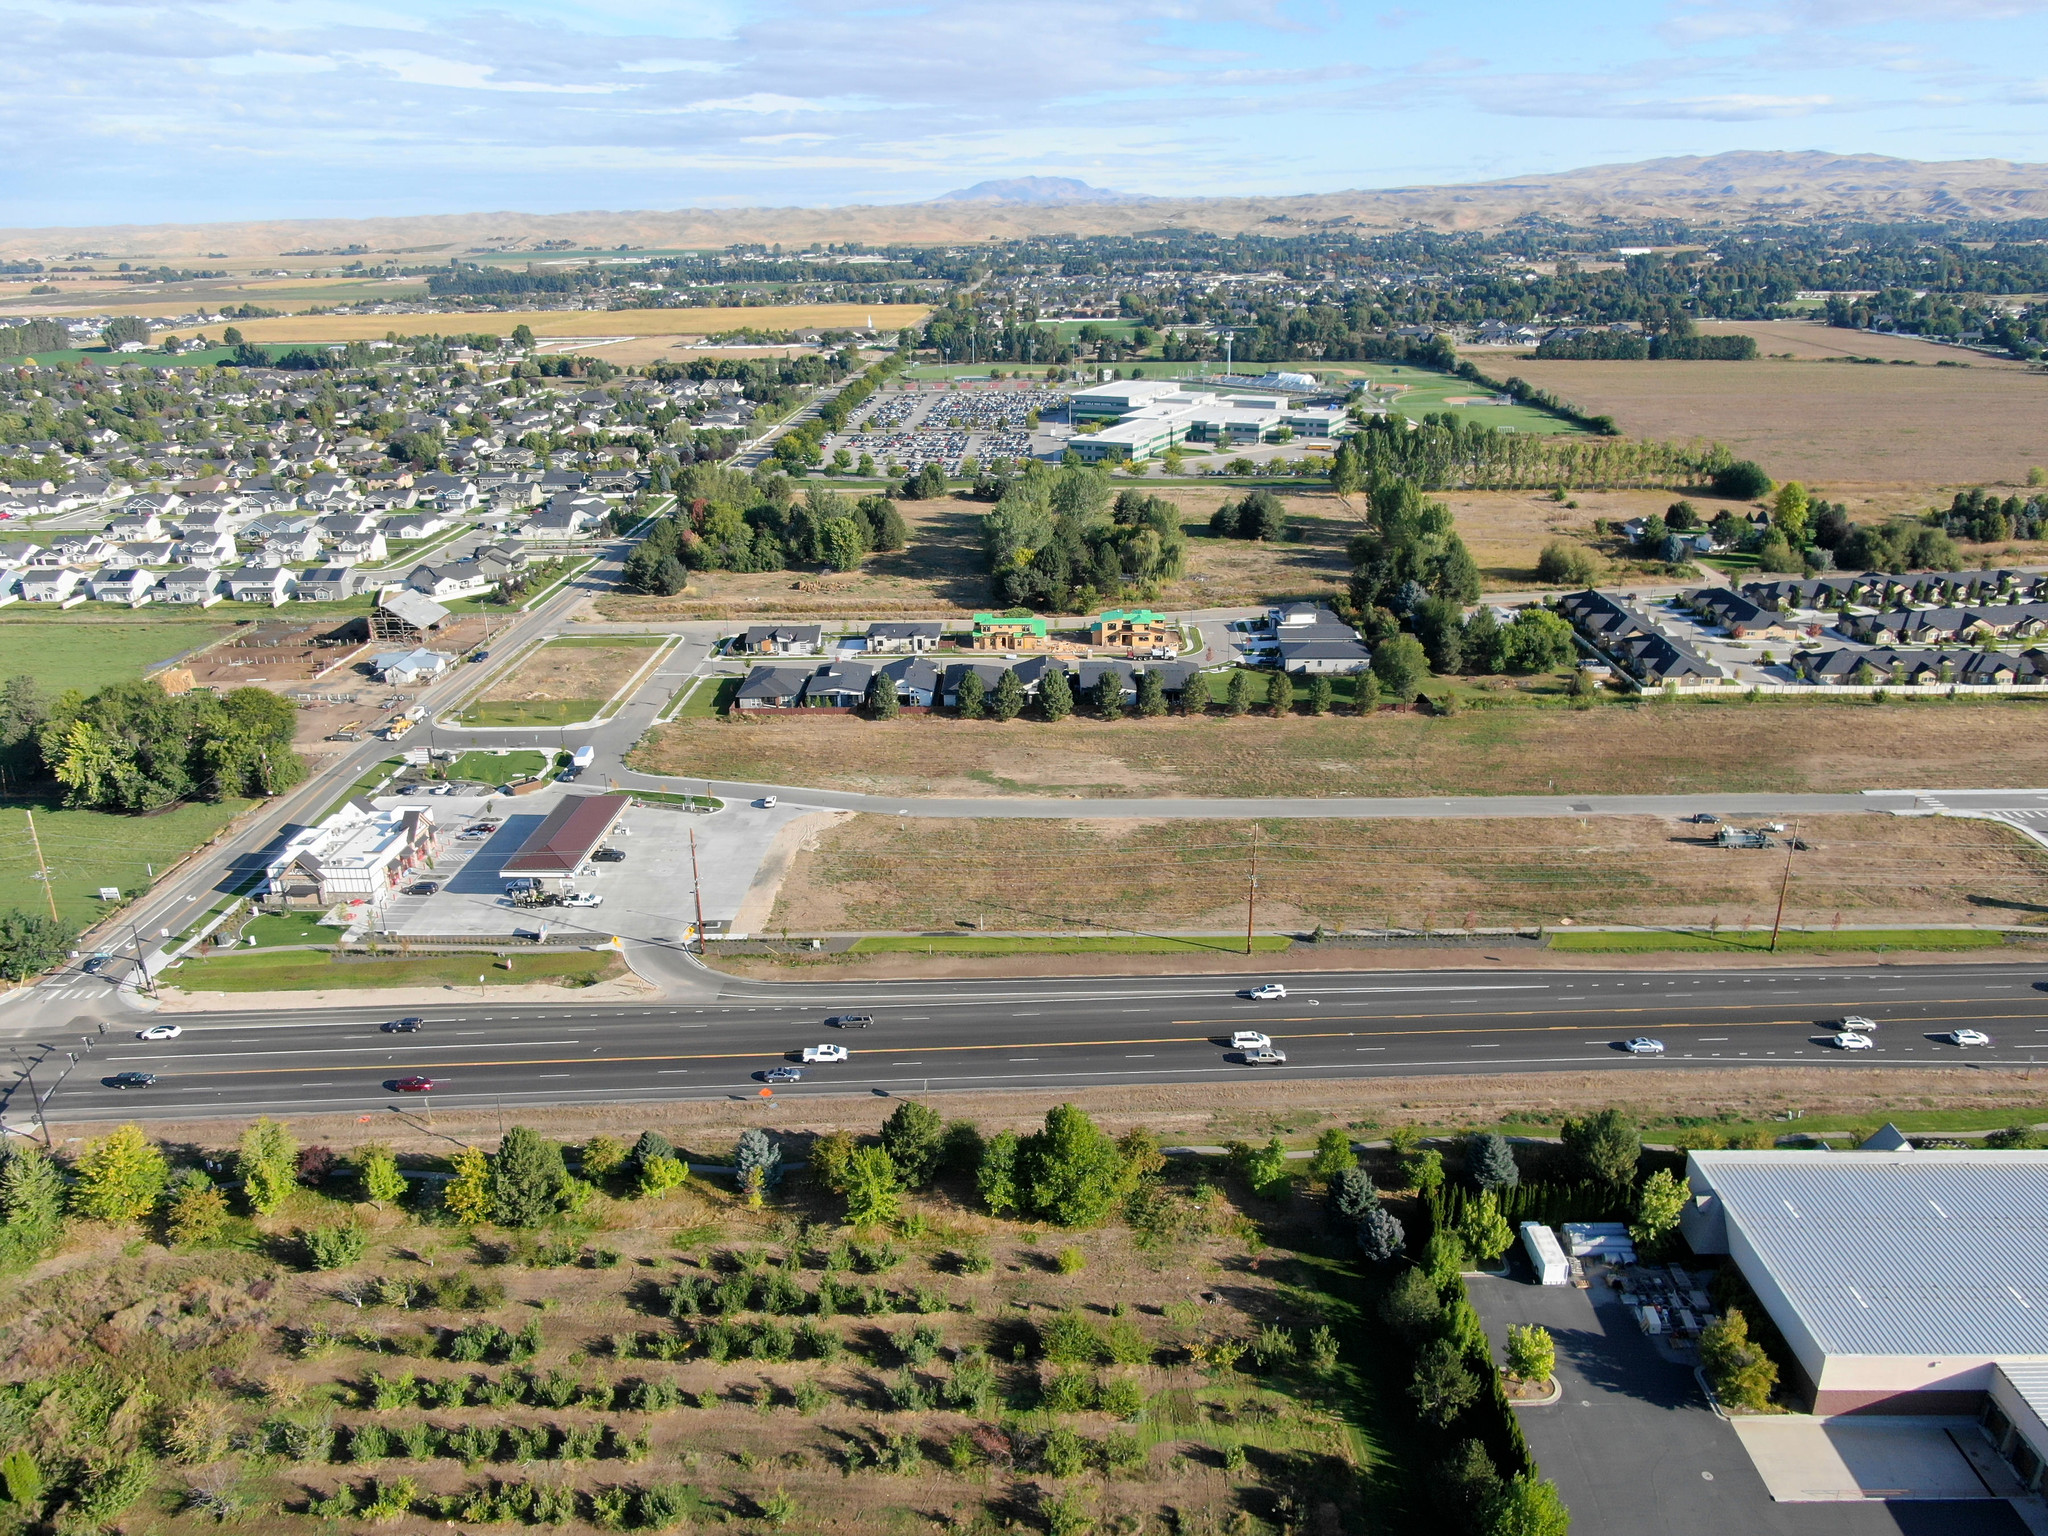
<point>649,895</point>
<point>1634,1447</point>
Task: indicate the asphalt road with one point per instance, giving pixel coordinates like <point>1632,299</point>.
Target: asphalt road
<point>1052,1036</point>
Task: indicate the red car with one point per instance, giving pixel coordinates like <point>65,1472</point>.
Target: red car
<point>413,1084</point>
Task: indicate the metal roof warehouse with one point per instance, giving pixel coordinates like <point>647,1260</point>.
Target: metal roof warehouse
<point>1901,1280</point>
<point>571,832</point>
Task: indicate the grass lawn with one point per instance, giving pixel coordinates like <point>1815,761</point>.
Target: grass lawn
<point>529,711</point>
<point>301,971</point>
<point>371,778</point>
<point>89,849</point>
<point>1120,944</point>
<point>709,698</point>
<point>492,768</point>
<point>91,653</point>
<point>1759,942</point>
<point>288,928</point>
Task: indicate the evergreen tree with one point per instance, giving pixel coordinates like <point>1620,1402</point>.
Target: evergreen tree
<point>882,701</point>
<point>119,1177</point>
<point>528,1179</point>
<point>1056,694</point>
<point>995,1178</point>
<point>1070,1173</point>
<point>1239,698</point>
<point>1007,702</point>
<point>1195,697</point>
<point>1280,694</point>
<point>970,696</point>
<point>194,1211</point>
<point>1380,1236</point>
<point>31,1205</point>
<point>1109,695</point>
<point>1352,1194</point>
<point>1321,693</point>
<point>1606,1146</point>
<point>1151,694</point>
<point>1400,666</point>
<point>1491,1161</point>
<point>913,1136</point>
<point>757,1164</point>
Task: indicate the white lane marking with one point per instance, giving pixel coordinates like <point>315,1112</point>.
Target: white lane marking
<point>1494,1047</point>
<point>337,1051</point>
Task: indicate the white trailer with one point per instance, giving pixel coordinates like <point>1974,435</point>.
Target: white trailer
<point>1546,1254</point>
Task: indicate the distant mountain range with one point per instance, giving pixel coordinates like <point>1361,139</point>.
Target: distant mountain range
<point>1039,192</point>
<point>1715,190</point>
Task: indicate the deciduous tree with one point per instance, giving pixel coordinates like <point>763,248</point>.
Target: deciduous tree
<point>119,1177</point>
<point>268,1161</point>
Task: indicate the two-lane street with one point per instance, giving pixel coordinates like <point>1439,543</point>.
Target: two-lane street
<point>1052,1035</point>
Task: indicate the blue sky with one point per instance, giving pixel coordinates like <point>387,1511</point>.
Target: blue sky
<point>119,111</point>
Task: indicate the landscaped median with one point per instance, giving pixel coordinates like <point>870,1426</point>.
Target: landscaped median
<point>1079,944</point>
<point>309,970</point>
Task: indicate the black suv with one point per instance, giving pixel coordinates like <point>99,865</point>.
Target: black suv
<point>405,1026</point>
<point>132,1080</point>
<point>851,1020</point>
<point>608,856</point>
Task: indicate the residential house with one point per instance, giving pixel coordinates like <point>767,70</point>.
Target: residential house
<point>211,550</point>
<point>261,584</point>
<point>990,673</point>
<point>415,525</point>
<point>454,579</point>
<point>291,548</point>
<point>403,669</point>
<point>916,679</point>
<point>360,548</point>
<point>130,526</point>
<point>1091,673</point>
<point>839,685</point>
<point>50,586</point>
<point>80,548</point>
<point>160,552</point>
<point>769,687</point>
<point>1135,629</point>
<point>1743,619</point>
<point>914,637</point>
<point>331,584</point>
<point>14,557</point>
<point>501,561</point>
<point>781,640</point>
<point>993,632</point>
<point>196,585</point>
<point>132,586</point>
<point>549,526</point>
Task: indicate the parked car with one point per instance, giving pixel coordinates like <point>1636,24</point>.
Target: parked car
<point>783,1075</point>
<point>1856,1021</point>
<point>582,899</point>
<point>1643,1045</point>
<point>132,1080</point>
<point>1264,1058</point>
<point>1847,1041</point>
<point>1704,819</point>
<point>410,1025</point>
<point>1967,1037</point>
<point>766,802</point>
<point>850,1020</point>
<point>823,1053</point>
<point>159,1032</point>
<point>413,1085</point>
<point>1271,992</point>
<point>609,856</point>
<point>1249,1040</point>
<point>423,888</point>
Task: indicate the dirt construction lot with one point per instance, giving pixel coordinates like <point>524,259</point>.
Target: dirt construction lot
<point>573,669</point>
<point>1656,747</point>
<point>877,872</point>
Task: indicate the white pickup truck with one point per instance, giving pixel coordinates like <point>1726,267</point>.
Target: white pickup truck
<point>825,1053</point>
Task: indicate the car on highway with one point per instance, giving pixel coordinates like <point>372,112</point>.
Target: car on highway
<point>1967,1037</point>
<point>132,1080</point>
<point>1249,1040</point>
<point>1704,819</point>
<point>766,802</point>
<point>481,656</point>
<point>96,964</point>
<point>609,856</point>
<point>783,1075</point>
<point>411,1024</point>
<point>822,1053</point>
<point>1264,1057</point>
<point>1850,1041</point>
<point>1856,1021</point>
<point>1643,1045</point>
<point>850,1020</point>
<point>423,888</point>
<point>1271,992</point>
<point>582,899</point>
<point>159,1032</point>
<point>412,1085</point>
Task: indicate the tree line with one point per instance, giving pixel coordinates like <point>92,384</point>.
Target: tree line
<point>1059,539</point>
<point>1441,452</point>
<point>728,521</point>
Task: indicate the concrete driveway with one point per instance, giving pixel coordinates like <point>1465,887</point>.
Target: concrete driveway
<point>1636,1451</point>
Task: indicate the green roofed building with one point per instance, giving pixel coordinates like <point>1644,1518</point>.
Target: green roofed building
<point>995,631</point>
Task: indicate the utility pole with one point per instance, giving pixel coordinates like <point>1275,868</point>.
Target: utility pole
<point>49,895</point>
<point>28,1073</point>
<point>1791,842</point>
<point>148,982</point>
<point>697,890</point>
<point>1251,895</point>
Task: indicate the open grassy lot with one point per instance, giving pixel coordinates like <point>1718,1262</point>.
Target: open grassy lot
<point>1826,421</point>
<point>301,970</point>
<point>564,680</point>
<point>1083,944</point>
<point>89,849</point>
<point>1124,877</point>
<point>1758,941</point>
<point>90,653</point>
<point>1653,746</point>
<point>681,1361</point>
<point>610,322</point>
<point>493,767</point>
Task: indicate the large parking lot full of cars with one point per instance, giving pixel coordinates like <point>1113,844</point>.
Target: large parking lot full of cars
<point>912,427</point>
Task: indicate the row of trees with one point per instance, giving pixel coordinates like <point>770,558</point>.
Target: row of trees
<point>1441,452</point>
<point>728,521</point>
<point>1062,539</point>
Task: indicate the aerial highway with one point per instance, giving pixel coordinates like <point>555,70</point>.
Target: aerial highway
<point>1053,1036</point>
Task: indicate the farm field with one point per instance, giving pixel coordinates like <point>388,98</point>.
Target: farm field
<point>585,322</point>
<point>563,680</point>
<point>90,653</point>
<point>1826,423</point>
<point>1809,339</point>
<point>1655,746</point>
<point>1138,877</point>
<point>88,849</point>
<point>678,1360</point>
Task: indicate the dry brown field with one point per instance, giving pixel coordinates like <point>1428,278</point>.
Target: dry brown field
<point>1126,876</point>
<point>1810,339</point>
<point>585,322</point>
<point>1827,423</point>
<point>588,669</point>
<point>1653,747</point>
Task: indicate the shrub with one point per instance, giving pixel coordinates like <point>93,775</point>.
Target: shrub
<point>1070,1339</point>
<point>1444,1385</point>
<point>1068,1392</point>
<point>1743,480</point>
<point>1121,1398</point>
<point>1532,1353</point>
<point>1739,1370</point>
<point>1567,563</point>
<point>1410,1306</point>
<point>1063,1453</point>
<point>334,1247</point>
<point>1070,1260</point>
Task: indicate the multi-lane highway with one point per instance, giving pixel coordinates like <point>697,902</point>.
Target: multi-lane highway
<point>1052,1035</point>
